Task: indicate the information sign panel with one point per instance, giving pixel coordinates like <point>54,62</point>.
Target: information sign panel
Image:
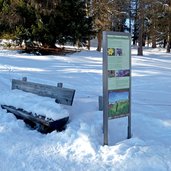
<point>116,76</point>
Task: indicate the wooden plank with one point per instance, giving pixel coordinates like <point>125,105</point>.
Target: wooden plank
<point>62,95</point>
<point>24,115</point>
<point>44,126</point>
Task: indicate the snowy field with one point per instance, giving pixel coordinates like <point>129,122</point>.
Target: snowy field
<point>80,146</point>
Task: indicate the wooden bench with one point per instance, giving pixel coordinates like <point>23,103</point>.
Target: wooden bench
<point>61,95</point>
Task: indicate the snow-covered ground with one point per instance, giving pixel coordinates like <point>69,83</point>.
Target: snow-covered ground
<point>80,146</point>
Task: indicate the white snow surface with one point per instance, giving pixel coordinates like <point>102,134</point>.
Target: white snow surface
<point>80,146</point>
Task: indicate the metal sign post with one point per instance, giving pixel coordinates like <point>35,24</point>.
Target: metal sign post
<point>116,79</point>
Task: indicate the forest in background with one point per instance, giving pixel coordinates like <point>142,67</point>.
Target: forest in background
<point>45,23</point>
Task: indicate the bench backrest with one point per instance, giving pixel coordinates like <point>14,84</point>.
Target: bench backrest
<point>62,95</point>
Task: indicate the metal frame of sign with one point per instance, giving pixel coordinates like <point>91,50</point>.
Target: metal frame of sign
<point>116,80</point>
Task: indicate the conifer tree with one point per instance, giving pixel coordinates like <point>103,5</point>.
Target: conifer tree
<point>46,22</point>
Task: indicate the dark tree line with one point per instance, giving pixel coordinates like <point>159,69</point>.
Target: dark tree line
<point>46,22</point>
<point>77,21</point>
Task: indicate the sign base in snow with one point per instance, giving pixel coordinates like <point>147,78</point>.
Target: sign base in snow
<point>116,79</point>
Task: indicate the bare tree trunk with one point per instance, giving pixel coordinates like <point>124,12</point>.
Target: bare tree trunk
<point>168,37</point>
<point>164,43</point>
<point>140,36</point>
<point>135,24</point>
<point>78,43</point>
<point>140,41</point>
<point>154,41</point>
<point>99,38</point>
<point>88,44</point>
<point>168,43</point>
<point>169,29</point>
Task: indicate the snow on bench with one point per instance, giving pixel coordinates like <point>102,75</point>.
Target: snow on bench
<point>33,103</point>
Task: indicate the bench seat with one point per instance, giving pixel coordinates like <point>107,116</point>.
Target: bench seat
<point>40,106</point>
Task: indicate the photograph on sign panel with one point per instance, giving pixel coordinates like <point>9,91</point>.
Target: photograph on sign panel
<point>111,73</point>
<point>122,73</point>
<point>118,103</point>
<point>118,52</point>
<point>111,51</point>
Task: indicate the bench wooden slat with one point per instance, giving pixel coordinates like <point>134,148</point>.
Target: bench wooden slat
<point>24,115</point>
<point>48,125</point>
<point>62,95</point>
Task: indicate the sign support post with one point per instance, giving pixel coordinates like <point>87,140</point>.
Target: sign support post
<point>116,79</point>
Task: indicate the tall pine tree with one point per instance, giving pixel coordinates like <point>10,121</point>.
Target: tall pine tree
<point>47,22</point>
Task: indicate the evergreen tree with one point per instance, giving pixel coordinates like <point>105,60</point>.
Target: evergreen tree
<point>7,17</point>
<point>77,25</point>
<point>46,22</point>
